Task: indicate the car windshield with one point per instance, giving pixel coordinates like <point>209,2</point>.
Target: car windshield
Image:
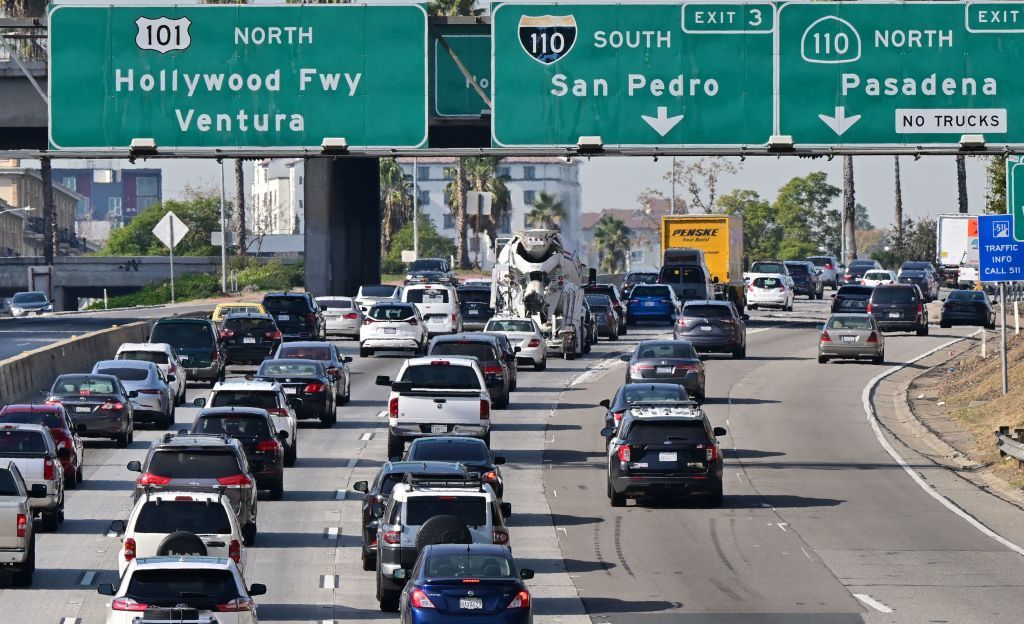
<point>478,350</point>
<point>768,267</point>
<point>655,393</point>
<point>52,420</point>
<point>849,322</point>
<point>171,587</point>
<point>894,295</point>
<point>29,297</point>
<point>465,452</point>
<point>677,349</point>
<point>377,291</point>
<point>289,369</point>
<point>322,354</point>
<point>334,304</point>
<point>8,484</point>
<point>650,291</point>
<point>263,399</point>
<point>820,261</point>
<point>156,357</point>
<point>390,312</point>
<point>680,275</point>
<point>198,517</point>
<point>125,374</point>
<point>183,334</point>
<point>186,464</point>
<point>241,426</point>
<point>967,295</point>
<point>705,310</point>
<point>767,282</point>
<point>80,384</point>
<point>286,304</point>
<point>249,324</point>
<point>472,510</point>
<point>15,443</point>
<point>442,376</point>
<point>426,295</point>
<point>656,432</point>
<point>427,264</point>
<point>467,565</point>
<point>476,295</point>
<point>510,326</point>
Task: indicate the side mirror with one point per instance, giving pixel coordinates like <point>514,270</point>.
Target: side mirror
<point>172,378</point>
<point>499,460</point>
<point>199,402</point>
<point>361,486</point>
<point>383,380</point>
<point>399,574</point>
<point>378,512</point>
<point>133,394</point>
<point>80,428</point>
<point>135,466</point>
<point>257,589</point>
<point>608,432</point>
<point>626,357</point>
<point>832,296</point>
<point>605,403</point>
<point>745,317</point>
<point>518,349</point>
<point>346,359</point>
<point>105,589</point>
<point>37,491</point>
<point>118,526</point>
<point>283,435</point>
<point>719,431</point>
<point>506,509</point>
<point>943,299</point>
<point>714,279</point>
<point>526,574</point>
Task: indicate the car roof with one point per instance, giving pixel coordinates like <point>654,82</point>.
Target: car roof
<point>456,360</point>
<point>334,298</point>
<point>104,376</point>
<point>24,427</point>
<point>246,385</point>
<point>284,294</point>
<point>307,343</point>
<point>231,409</point>
<point>156,347</point>
<point>143,364</point>
<point>31,408</point>
<point>423,467</point>
<point>239,304</point>
<point>248,315</point>
<point>661,342</point>
<point>448,440</point>
<point>509,318</point>
<point>182,319</point>
<point>466,337</point>
<point>183,563</point>
<point>713,302</point>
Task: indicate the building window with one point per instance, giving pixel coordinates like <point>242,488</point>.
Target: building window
<point>529,197</point>
<point>505,226</point>
<point>449,222</point>
<point>529,173</point>
<point>300,180</point>
<point>503,172</point>
<point>447,197</point>
<point>636,255</point>
<point>449,173</point>
<point>145,186</point>
<point>300,203</point>
<point>70,182</point>
<point>423,197</point>
<point>423,173</point>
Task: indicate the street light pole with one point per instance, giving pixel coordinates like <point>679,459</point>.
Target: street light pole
<point>223,237</point>
<point>415,208</point>
<point>672,210</point>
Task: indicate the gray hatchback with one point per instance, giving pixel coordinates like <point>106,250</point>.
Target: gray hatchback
<point>667,361</point>
<point>713,326</point>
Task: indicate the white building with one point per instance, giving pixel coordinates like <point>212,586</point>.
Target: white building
<point>276,197</point>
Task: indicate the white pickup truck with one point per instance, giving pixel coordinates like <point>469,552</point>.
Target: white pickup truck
<point>17,537</point>
<point>437,396</point>
<point>32,450</point>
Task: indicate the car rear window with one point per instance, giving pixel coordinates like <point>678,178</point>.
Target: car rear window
<point>194,587</point>
<point>855,291</point>
<point>249,324</point>
<point>427,265</point>
<point>472,510</point>
<point>894,295</point>
<point>156,357</point>
<point>656,432</point>
<point>680,275</point>
<point>437,376</point>
<point>198,517</point>
<point>377,291</point>
<point>390,312</point>
<point>478,350</point>
<point>596,307</point>
<point>849,322</point>
<point>768,267</point>
<point>289,369</point>
<point>286,304</point>
<point>641,278</point>
<point>426,295</point>
<point>8,484</point>
<point>649,291</point>
<point>798,269</point>
<point>967,295</point>
<point>189,464</point>
<point>678,349</point>
<point>82,385</point>
<point>465,452</point>
<point>241,426</point>
<point>767,282</point>
<point>183,334</point>
<point>466,565</point>
<point>475,296</point>
<point>876,275</point>
<point>14,443</point>
<point>710,311</point>
<point>125,374</point>
<point>263,399</point>
<point>240,309</point>
<point>655,393</point>
<point>47,419</point>
<point>304,353</point>
<point>819,261</point>
<point>335,304</point>
<point>510,326</point>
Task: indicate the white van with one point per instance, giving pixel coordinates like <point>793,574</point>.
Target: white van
<point>438,305</point>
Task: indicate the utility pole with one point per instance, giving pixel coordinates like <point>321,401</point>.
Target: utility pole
<point>415,208</point>
<point>672,205</point>
<point>223,236</point>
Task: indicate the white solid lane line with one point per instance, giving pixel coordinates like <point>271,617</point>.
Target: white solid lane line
<point>871,602</point>
<point>330,581</point>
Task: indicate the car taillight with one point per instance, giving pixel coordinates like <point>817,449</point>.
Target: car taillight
<point>129,548</point>
<point>455,318</point>
<point>485,409</point>
<point>393,408</point>
<point>148,478</point>
<point>618,415</point>
<point>781,288</point>
<point>49,469</point>
<point>226,333</point>
<point>638,369</point>
<point>127,604</point>
<point>412,321</point>
<point>490,476</point>
<point>492,370</point>
<point>499,537</point>
<point>535,342</point>
<point>828,266</point>
<point>235,480</point>
<point>112,406</point>
<point>311,317</point>
<point>391,537</point>
<point>686,367</point>
<point>268,446</point>
<point>711,453</point>
<point>278,411</point>
<point>623,453</point>
<point>825,337</point>
<point>52,402</point>
<point>688,322</point>
<point>634,301</point>
<point>750,287</point>
<point>868,309</point>
<point>315,388</point>
<point>214,355</point>
<point>418,599</point>
<point>235,551</point>
<point>236,605</point>
<point>350,316</point>
<point>149,391</point>
<point>521,601</point>
<point>920,308</point>
<point>368,321</point>
<point>22,523</point>
<point>273,335</point>
<point>172,369</point>
<point>873,338</point>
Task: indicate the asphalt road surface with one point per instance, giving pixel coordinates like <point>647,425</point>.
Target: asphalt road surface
<point>819,525</point>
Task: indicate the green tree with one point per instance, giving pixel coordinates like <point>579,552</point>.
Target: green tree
<point>200,212</point>
<point>432,244</point>
<point>395,201</point>
<point>482,175</point>
<point>918,244</point>
<point>803,212</point>
<point>762,233</point>
<point>862,219</point>
<point>452,8</point>
<point>995,185</point>
<point>22,8</point>
<point>455,191</point>
<point>612,239</point>
<point>548,211</point>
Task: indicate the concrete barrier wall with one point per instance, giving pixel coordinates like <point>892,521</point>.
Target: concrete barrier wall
<point>22,377</point>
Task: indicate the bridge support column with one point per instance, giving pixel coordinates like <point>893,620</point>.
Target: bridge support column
<point>342,209</point>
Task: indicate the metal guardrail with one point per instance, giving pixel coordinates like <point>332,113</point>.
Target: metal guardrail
<point>1012,445</point>
<point>28,39</point>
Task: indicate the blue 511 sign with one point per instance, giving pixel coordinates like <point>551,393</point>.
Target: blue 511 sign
<point>1000,255</point>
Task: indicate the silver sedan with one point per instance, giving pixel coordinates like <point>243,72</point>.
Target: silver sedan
<point>149,391</point>
<point>851,336</point>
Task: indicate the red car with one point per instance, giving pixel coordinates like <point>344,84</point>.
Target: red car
<point>70,449</point>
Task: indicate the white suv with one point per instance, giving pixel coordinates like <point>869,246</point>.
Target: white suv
<point>163,355</point>
<point>392,326</point>
<point>439,305</point>
<point>163,586</point>
<point>268,395</point>
<point>159,516</point>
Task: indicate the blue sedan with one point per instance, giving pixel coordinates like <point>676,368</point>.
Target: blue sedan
<point>476,583</point>
<point>652,302</point>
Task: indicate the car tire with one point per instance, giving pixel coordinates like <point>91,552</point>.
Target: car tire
<point>701,396</point>
<point>326,420</point>
<point>990,327</point>
<point>345,398</point>
<point>249,534</point>
<point>50,520</point>
<point>923,330</point>
<point>542,365</point>
<point>752,306</point>
<point>277,490</point>
<point>878,359</point>
<point>71,480</point>
<point>23,577</point>
<point>616,500</point>
<point>388,598</point>
<point>291,454</point>
<point>739,353</point>
<point>396,447</point>
<point>715,497</point>
<point>487,438</point>
<point>364,352</point>
<point>79,475</point>
<point>121,441</point>
<point>822,359</point>
<point>614,337</point>
<point>369,563</point>
<point>623,329</point>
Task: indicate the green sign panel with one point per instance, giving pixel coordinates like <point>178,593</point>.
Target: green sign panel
<point>238,76</point>
<point>655,74</point>
<point>914,73</point>
<point>454,95</point>
<point>1015,193</point>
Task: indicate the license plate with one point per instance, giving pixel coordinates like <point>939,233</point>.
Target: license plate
<point>390,330</point>
<point>664,370</point>
<point>283,317</point>
<point>83,410</point>
<point>849,339</point>
<point>291,390</point>
<point>668,457</point>
<point>649,304</point>
<point>471,603</point>
<point>894,315</point>
<point>706,328</point>
<point>438,428</point>
<point>249,340</point>
<point>473,312</point>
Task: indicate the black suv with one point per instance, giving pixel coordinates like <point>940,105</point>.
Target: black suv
<point>297,315</point>
<point>899,307</point>
<point>197,344</point>
<point>255,429</point>
<point>488,352</point>
<point>613,294</point>
<point>201,463</point>
<point>248,338</point>
<point>376,495</point>
<point>806,280</point>
<point>659,451</point>
<point>475,303</point>
<point>851,298</point>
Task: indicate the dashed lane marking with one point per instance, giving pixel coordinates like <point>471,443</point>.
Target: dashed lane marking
<point>330,581</point>
<point>871,602</point>
<point>366,436</point>
<point>782,525</point>
<point>71,620</point>
<point>340,494</point>
<point>87,577</point>
<point>331,533</point>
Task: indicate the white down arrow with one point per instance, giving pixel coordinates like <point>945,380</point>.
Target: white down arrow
<point>662,124</point>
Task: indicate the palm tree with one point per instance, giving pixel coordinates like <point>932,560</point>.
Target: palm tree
<point>849,210</point>
<point>240,204</point>
<point>22,8</point>
<point>394,201</point>
<point>612,238</point>
<point>548,211</point>
<point>898,214</point>
<point>961,183</point>
<point>482,174</point>
<point>451,8</point>
<point>456,192</point>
